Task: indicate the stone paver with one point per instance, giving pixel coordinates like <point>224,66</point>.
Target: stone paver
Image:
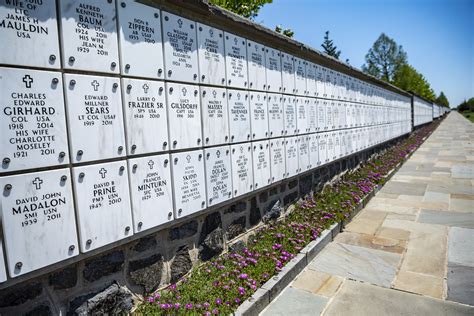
<point>461,246</point>
<point>317,282</point>
<point>359,263</point>
<point>296,302</point>
<point>461,284</point>
<point>458,219</point>
<point>363,299</point>
<point>410,251</point>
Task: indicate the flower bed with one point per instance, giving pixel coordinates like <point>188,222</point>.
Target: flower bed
<point>220,285</point>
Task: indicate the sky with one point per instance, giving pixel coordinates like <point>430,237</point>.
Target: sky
<point>438,35</point>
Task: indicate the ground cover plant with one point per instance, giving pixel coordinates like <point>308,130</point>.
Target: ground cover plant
<point>220,285</point>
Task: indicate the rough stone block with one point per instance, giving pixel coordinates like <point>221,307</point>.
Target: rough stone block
<point>146,272</point>
<point>64,279</point>
<point>18,295</point>
<point>181,264</point>
<point>236,228</point>
<point>183,231</point>
<point>145,243</point>
<point>104,265</point>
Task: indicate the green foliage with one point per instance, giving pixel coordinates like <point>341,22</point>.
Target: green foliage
<point>287,32</point>
<point>466,106</point>
<point>246,8</point>
<point>407,78</point>
<point>329,47</point>
<point>442,100</point>
<point>384,58</point>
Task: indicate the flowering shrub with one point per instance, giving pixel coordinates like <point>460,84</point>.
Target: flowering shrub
<point>220,285</point>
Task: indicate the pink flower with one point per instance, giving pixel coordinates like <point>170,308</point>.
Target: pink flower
<point>243,276</point>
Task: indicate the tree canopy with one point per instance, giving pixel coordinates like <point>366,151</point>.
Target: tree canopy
<point>246,8</point>
<point>329,47</point>
<point>466,105</point>
<point>384,58</point>
<point>407,78</point>
<point>442,100</point>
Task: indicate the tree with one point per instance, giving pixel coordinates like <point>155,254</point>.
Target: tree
<point>329,47</point>
<point>384,58</point>
<point>442,100</point>
<point>466,106</point>
<point>246,8</point>
<point>286,32</point>
<point>407,78</point>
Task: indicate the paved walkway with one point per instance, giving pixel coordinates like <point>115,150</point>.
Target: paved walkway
<point>411,250</point>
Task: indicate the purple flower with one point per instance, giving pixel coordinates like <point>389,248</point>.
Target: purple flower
<point>218,301</point>
<point>237,300</point>
<point>189,306</point>
<point>243,276</point>
<point>151,299</point>
<point>206,305</point>
<point>215,311</point>
<point>177,305</point>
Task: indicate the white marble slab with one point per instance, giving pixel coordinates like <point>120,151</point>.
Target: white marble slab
<point>239,115</point>
<point>288,73</point>
<point>215,116</point>
<point>311,75</point>
<point>258,115</point>
<point>150,191</point>
<point>312,115</point>
<point>261,164</point>
<point>211,55</point>
<point>146,118</point>
<point>94,108</point>
<point>256,66</point>
<point>276,120</point>
<point>302,105</point>
<point>218,174</point>
<point>38,220</point>
<point>236,61</point>
<point>304,163</point>
<point>300,76</point>
<point>189,182</point>
<point>180,48</point>
<point>103,208</point>
<point>141,43</point>
<point>32,120</point>
<point>314,150</point>
<point>89,35</point>
<point>290,115</point>
<point>30,31</point>
<point>323,153</point>
<point>291,157</point>
<point>277,159</point>
<point>242,168</point>
<point>273,69</point>
<point>184,115</point>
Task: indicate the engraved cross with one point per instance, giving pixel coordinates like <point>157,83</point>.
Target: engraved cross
<point>37,182</point>
<point>103,172</point>
<point>145,88</point>
<point>184,91</point>
<point>28,81</point>
<point>151,163</point>
<point>95,84</point>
